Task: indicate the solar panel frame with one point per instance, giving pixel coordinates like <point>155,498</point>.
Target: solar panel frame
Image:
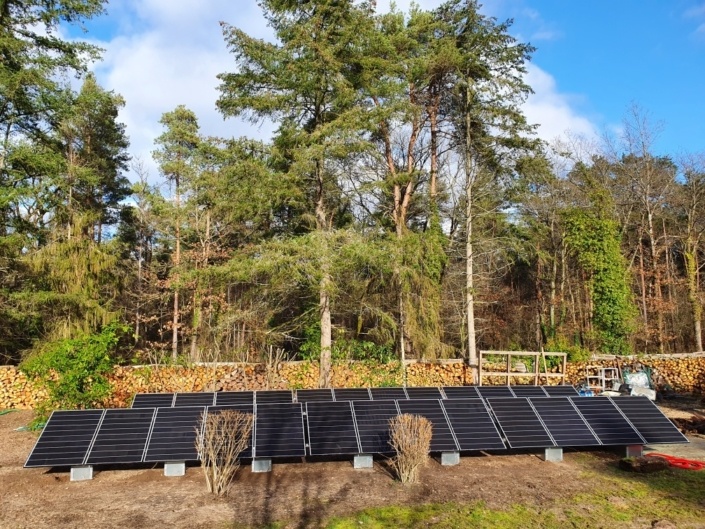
<point>607,421</point>
<point>227,398</point>
<point>461,392</point>
<point>495,392</point>
<point>443,439</point>
<point>173,435</point>
<point>279,430</point>
<point>397,393</point>
<point>424,393</point>
<point>519,423</point>
<point>647,419</point>
<point>562,390</point>
<point>274,396</point>
<point>122,436</point>
<point>472,425</point>
<point>243,408</point>
<point>372,423</point>
<point>528,391</point>
<point>186,400</point>
<point>564,422</point>
<point>50,448</point>
<point>153,400</point>
<point>331,429</point>
<point>343,394</point>
<point>314,395</point>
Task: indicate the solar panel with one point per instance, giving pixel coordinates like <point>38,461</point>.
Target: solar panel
<point>372,420</point>
<point>173,435</point>
<point>274,397</point>
<point>244,408</point>
<point>461,392</point>
<point>352,394</point>
<point>442,439</point>
<point>519,422</point>
<point>603,417</point>
<point>153,400</point>
<point>424,393</point>
<point>561,391</point>
<point>226,398</point>
<point>494,391</point>
<point>528,391</point>
<point>314,395</point>
<point>122,436</point>
<point>194,399</point>
<point>279,430</point>
<point>563,422</point>
<point>388,393</point>
<point>648,420</point>
<point>331,429</point>
<point>472,424</point>
<point>65,439</point>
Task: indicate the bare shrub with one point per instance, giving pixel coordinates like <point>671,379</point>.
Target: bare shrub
<point>221,440</point>
<point>410,437</point>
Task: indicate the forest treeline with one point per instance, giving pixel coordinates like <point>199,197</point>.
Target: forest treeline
<point>404,207</point>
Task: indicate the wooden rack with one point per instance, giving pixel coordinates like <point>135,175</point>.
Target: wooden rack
<point>538,358</point>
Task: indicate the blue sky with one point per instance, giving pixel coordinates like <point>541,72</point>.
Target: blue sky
<point>593,60</point>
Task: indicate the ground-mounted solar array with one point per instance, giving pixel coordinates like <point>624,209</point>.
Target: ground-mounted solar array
<point>164,427</point>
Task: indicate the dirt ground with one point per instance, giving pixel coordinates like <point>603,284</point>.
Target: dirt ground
<point>300,494</point>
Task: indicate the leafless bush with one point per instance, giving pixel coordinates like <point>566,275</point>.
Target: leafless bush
<point>220,442</point>
<point>410,437</point>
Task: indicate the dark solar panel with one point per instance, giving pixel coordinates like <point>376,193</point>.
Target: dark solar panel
<point>472,424</point>
<point>226,398</point>
<point>352,394</point>
<point>519,422</point>
<point>153,400</point>
<point>243,408</point>
<point>194,399</point>
<point>122,436</point>
<point>442,436</point>
<point>649,421</point>
<point>606,421</point>
<point>284,396</point>
<point>65,439</point>
<point>461,392</point>
<point>388,394</point>
<point>314,395</point>
<point>528,391</point>
<point>563,422</point>
<point>372,419</point>
<point>561,391</point>
<point>424,393</point>
<point>494,391</point>
<point>279,430</point>
<point>331,429</point>
<point>173,435</point>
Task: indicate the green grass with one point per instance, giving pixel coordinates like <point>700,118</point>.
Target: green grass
<point>618,499</point>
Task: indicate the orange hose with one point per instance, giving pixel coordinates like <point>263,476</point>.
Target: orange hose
<point>679,462</point>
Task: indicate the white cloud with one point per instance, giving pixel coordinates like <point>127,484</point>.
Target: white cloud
<point>554,111</point>
<point>167,52</point>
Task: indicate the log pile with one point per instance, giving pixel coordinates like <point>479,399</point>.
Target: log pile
<point>16,391</point>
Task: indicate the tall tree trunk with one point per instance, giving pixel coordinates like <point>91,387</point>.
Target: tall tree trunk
<point>691,270</point>
<point>177,263</point>
<point>324,379</point>
<point>470,177</point>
